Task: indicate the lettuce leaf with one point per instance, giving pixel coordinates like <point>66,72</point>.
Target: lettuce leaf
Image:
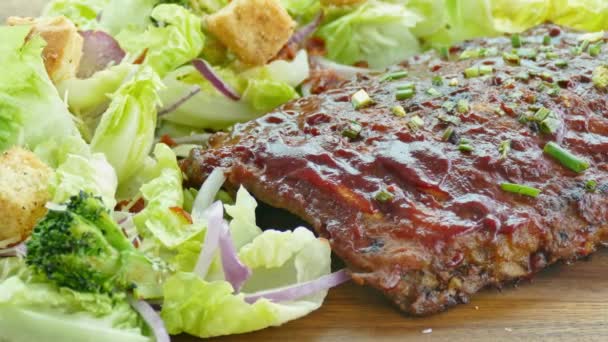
<point>125,133</point>
<point>89,98</point>
<point>83,13</point>
<point>206,309</point>
<point>376,32</point>
<point>133,14</point>
<point>29,102</point>
<point>512,16</point>
<point>178,40</point>
<point>590,15</point>
<point>242,227</point>
<point>163,218</point>
<point>43,312</point>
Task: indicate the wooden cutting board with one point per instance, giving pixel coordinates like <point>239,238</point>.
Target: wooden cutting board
<point>563,303</point>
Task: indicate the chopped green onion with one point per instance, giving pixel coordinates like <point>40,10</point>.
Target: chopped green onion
<point>433,92</point>
<point>582,47</point>
<point>516,40</point>
<point>353,130</point>
<point>416,122</point>
<point>546,40</point>
<point>408,85</point>
<point>398,110</point>
<point>511,58</point>
<point>486,69</point>
<point>463,106</point>
<point>541,114</point>
<point>468,54</point>
<point>403,94</point>
<point>591,185</point>
<point>551,55</point>
<point>447,134</point>
<point>471,72</point>
<point>444,52</point>
<point>437,81</point>
<point>384,196</point>
<point>523,76</point>
<point>595,49</point>
<point>592,37</point>
<point>550,125</point>
<point>449,119</point>
<point>394,76</point>
<point>566,158</point>
<point>561,63</point>
<point>453,82</point>
<point>361,99</point>
<point>504,148</point>
<point>554,91</point>
<point>600,77</point>
<point>465,148</point>
<point>520,189</point>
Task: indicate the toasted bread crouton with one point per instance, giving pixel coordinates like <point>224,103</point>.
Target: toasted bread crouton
<point>255,30</point>
<point>64,44</point>
<point>24,192</point>
<point>341,2</point>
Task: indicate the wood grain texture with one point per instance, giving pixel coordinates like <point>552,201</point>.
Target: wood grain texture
<point>563,303</point>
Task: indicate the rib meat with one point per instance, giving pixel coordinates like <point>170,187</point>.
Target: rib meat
<point>449,229</point>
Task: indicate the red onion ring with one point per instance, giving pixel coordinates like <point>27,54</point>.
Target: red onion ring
<point>99,50</point>
<point>306,30</point>
<point>210,75</point>
<point>152,319</point>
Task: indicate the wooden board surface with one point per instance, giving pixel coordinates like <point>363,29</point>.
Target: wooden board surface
<point>563,303</point>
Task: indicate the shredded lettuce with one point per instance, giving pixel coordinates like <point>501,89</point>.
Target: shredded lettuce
<point>43,312</point>
<point>29,102</point>
<point>177,41</point>
<point>590,15</point>
<point>125,133</point>
<point>375,32</point>
<point>83,13</point>
<point>118,15</point>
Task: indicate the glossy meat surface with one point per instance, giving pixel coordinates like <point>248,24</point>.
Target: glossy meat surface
<point>447,228</point>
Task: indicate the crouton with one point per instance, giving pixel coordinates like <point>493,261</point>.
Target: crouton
<point>24,181</point>
<point>341,2</point>
<point>255,30</point>
<point>63,51</point>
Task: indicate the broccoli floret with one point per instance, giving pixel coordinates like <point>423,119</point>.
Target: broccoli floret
<point>82,248</point>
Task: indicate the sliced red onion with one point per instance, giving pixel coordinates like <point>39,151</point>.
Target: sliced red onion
<point>152,319</point>
<point>171,108</point>
<point>16,251</point>
<point>206,194</point>
<point>300,290</point>
<point>235,271</point>
<point>98,52</point>
<point>306,30</point>
<point>210,75</point>
<point>215,219</point>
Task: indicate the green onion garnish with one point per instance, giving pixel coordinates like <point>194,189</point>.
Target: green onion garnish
<point>433,92</point>
<point>550,125</point>
<point>471,72</point>
<point>463,106</point>
<point>520,189</point>
<point>444,52</point>
<point>541,114</point>
<point>361,99</point>
<point>504,148</point>
<point>403,94</point>
<point>352,130</point>
<point>447,134</point>
<point>546,40</point>
<point>516,40</point>
<point>437,81</point>
<point>448,105</point>
<point>408,85</point>
<point>453,82</point>
<point>394,76</point>
<point>591,185</point>
<point>398,110</point>
<point>465,148</point>
<point>416,122</point>
<point>566,158</point>
<point>511,58</point>
<point>384,196</point>
<point>582,47</point>
<point>561,63</point>
<point>600,77</point>
<point>592,37</point>
<point>551,55</point>
<point>595,49</point>
<point>486,69</point>
<point>528,53</point>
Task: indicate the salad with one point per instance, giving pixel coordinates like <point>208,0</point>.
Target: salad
<point>99,101</point>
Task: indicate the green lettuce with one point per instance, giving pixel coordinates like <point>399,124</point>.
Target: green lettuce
<point>376,32</point>
<point>590,15</point>
<point>162,193</point>
<point>302,10</point>
<point>174,43</point>
<point>133,14</point>
<point>243,228</point>
<point>88,98</point>
<point>203,308</point>
<point>125,133</point>
<point>518,15</point>
<point>83,13</point>
<point>262,88</point>
<point>29,102</point>
<point>43,312</point>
